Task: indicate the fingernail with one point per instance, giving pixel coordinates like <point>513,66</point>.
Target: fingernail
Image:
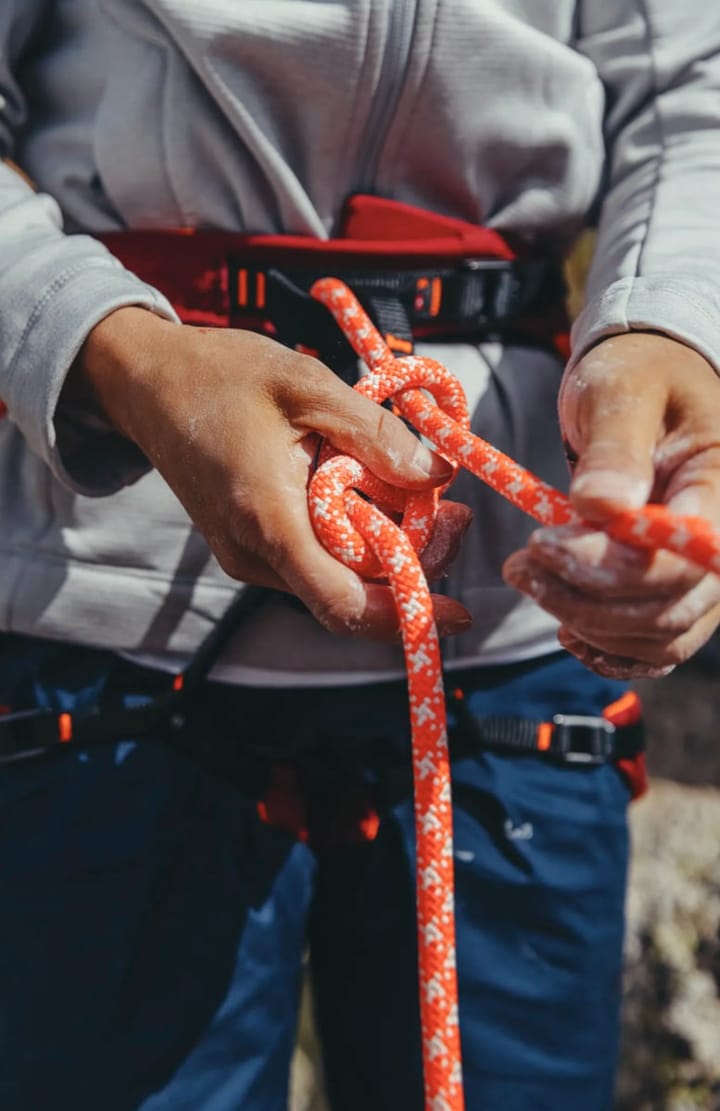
<point>429,464</point>
<point>611,485</point>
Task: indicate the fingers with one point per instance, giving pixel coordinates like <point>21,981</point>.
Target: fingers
<point>451,524</point>
<point>369,432</point>
<point>641,415</point>
<point>692,486</point>
<point>591,562</point>
<point>657,630</point>
<point>612,667</point>
<point>379,620</point>
<point>612,411</point>
<point>286,544</point>
<point>635,665</point>
<point>347,606</point>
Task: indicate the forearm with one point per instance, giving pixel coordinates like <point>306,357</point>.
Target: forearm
<point>657,263</point>
<point>55,290</point>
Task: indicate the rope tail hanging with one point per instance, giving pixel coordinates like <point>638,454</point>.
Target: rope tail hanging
<point>360,534</point>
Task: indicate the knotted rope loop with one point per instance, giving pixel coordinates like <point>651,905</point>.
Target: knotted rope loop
<point>389,376</point>
<point>342,519</point>
<point>338,480</point>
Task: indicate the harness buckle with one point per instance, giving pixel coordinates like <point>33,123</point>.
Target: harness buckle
<point>582,739</point>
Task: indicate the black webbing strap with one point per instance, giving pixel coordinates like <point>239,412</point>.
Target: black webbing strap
<point>479,299</point>
<point>37,732</point>
<point>568,738</point>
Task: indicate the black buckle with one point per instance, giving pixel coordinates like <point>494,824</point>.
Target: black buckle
<point>581,739</point>
<point>478,297</point>
<point>294,317</point>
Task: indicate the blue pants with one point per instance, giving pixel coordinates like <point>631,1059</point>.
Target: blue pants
<point>152,925</point>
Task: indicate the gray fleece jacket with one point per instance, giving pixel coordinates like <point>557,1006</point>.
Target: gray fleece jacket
<point>265,115</point>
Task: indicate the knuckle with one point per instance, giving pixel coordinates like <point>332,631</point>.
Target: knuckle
<point>311,375</point>
<point>301,369</point>
<point>339,616</point>
<point>680,618</point>
<point>314,368</point>
<point>332,619</point>
<point>676,622</point>
<point>230,561</point>
<point>677,652</point>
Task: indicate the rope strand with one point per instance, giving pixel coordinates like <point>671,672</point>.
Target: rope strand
<point>360,535</point>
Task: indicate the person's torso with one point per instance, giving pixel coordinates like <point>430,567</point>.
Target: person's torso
<point>265,116</point>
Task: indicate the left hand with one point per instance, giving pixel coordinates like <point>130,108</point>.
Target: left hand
<point>641,412</point>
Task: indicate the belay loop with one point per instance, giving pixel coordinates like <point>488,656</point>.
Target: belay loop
<point>362,536</point>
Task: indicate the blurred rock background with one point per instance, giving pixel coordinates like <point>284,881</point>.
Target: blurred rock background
<point>671,1035</point>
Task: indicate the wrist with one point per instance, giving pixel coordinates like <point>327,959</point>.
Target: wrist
<point>634,346</point>
<point>115,359</point>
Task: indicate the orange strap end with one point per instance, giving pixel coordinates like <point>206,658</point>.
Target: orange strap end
<point>242,287</point>
<point>435,296</point>
<point>625,711</point>
<point>544,736</point>
<point>65,728</point>
<point>396,343</point>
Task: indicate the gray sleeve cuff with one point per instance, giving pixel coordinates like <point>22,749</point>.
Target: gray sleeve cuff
<point>688,312</point>
<point>44,342</point>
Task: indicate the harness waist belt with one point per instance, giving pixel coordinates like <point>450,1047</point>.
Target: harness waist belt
<point>418,275</point>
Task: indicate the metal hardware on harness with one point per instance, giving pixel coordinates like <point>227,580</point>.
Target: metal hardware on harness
<point>567,738</point>
<point>572,730</point>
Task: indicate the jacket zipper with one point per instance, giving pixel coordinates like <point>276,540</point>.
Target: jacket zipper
<point>392,80</point>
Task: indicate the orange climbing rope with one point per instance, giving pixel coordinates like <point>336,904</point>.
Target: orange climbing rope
<point>361,534</point>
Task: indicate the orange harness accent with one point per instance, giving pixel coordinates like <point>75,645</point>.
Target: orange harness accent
<point>360,534</point>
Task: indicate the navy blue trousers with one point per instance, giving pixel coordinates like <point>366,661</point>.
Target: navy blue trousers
<point>153,925</point>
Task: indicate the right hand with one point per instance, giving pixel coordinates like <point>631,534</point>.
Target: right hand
<point>231,420</point>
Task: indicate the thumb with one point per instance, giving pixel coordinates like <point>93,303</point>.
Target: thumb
<point>613,427</point>
<point>372,434</point>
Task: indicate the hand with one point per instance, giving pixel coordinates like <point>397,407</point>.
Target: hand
<point>641,413</point>
<point>232,420</point>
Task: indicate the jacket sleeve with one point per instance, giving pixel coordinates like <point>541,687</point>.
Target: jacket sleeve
<point>54,288</point>
<point>657,264</point>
